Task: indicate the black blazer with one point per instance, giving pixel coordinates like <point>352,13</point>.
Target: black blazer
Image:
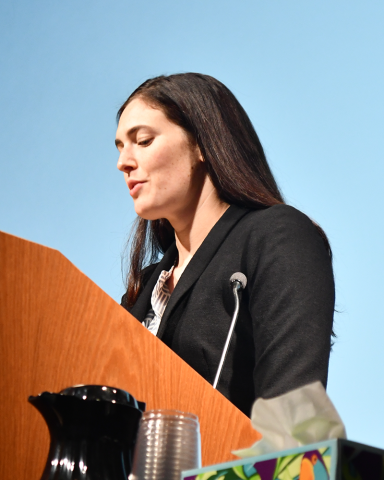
<point>282,337</point>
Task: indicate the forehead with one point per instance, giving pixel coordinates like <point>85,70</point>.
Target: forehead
<point>138,112</point>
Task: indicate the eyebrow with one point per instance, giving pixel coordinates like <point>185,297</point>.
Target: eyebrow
<point>130,132</point>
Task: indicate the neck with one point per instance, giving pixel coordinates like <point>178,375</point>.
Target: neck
<point>191,231</point>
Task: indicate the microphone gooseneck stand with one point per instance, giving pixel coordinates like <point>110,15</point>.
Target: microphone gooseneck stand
<point>238,281</point>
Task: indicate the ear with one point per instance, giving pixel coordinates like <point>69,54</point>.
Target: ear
<point>199,155</point>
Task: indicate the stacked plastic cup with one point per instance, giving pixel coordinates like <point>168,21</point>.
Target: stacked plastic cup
<point>168,442</point>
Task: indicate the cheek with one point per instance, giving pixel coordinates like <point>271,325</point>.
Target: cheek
<point>172,166</point>
<point>165,169</point>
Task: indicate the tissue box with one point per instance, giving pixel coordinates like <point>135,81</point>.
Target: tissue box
<point>328,460</point>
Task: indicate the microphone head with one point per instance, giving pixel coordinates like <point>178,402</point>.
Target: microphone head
<point>239,277</point>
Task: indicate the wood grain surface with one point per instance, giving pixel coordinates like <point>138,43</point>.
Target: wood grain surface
<point>57,329</point>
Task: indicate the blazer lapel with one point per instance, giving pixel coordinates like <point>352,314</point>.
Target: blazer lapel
<point>200,260</point>
<point>143,304</point>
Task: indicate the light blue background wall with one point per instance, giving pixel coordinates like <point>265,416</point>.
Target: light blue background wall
<point>310,74</point>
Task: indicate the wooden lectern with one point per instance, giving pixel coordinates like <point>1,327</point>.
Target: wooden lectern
<point>60,329</point>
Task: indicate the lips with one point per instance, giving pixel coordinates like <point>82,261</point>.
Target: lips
<point>134,186</point>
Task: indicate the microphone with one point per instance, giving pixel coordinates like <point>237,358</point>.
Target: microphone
<point>238,281</point>
<point>240,278</point>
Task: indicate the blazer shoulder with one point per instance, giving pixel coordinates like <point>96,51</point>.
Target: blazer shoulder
<point>282,225</point>
<point>278,217</point>
<point>282,211</point>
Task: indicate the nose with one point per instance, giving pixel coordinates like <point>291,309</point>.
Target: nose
<point>126,162</point>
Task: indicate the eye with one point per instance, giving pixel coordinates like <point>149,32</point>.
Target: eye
<point>145,142</point>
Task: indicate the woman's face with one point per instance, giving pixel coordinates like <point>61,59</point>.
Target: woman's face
<point>164,173</point>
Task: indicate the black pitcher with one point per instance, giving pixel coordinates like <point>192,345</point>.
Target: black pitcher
<point>93,431</point>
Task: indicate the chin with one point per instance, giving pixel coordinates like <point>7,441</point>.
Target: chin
<point>147,213</point>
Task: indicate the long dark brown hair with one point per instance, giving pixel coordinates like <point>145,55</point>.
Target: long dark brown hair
<point>214,120</point>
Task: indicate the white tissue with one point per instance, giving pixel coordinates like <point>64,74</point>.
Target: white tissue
<point>302,416</point>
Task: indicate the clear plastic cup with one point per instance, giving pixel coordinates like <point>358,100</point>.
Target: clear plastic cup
<point>168,442</point>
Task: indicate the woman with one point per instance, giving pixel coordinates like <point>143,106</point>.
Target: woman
<point>206,198</point>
